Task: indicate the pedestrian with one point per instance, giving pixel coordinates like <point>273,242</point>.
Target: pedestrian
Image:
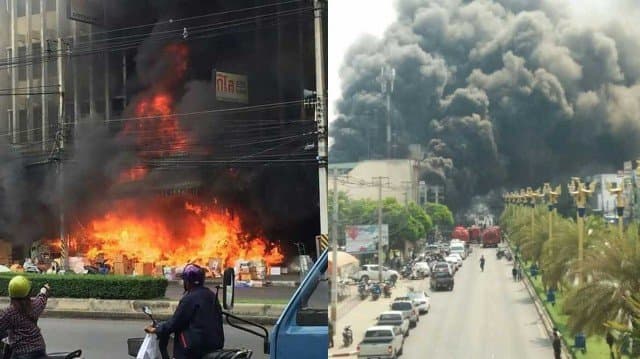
<point>514,272</point>
<point>482,263</point>
<point>20,319</point>
<point>557,345</point>
<point>330,335</point>
<point>610,341</point>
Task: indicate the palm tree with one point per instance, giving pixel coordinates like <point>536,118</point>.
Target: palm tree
<point>612,266</point>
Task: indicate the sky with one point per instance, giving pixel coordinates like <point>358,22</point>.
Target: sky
<point>348,20</point>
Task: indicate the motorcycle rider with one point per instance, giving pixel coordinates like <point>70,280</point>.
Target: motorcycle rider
<point>197,322</point>
<point>482,263</point>
<point>20,319</point>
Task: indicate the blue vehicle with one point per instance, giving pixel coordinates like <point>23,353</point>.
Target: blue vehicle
<point>302,329</point>
<point>375,291</point>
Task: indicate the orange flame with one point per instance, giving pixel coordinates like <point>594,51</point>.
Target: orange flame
<point>197,234</point>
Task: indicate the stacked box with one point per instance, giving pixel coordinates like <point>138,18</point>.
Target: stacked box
<point>144,269</point>
<point>245,276</point>
<point>118,268</point>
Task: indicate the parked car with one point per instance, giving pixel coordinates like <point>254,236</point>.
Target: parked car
<point>370,271</point>
<point>441,280</point>
<point>442,267</point>
<point>384,341</point>
<point>458,247</point>
<point>421,300</point>
<point>408,309</point>
<point>395,318</point>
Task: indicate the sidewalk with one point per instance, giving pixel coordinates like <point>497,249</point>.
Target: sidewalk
<point>361,314</point>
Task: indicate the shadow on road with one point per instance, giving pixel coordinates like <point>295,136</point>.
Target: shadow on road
<point>541,342</point>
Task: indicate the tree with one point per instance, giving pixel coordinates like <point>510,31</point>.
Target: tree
<point>440,214</point>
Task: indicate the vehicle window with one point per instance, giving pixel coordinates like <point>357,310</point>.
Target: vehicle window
<point>390,317</point>
<point>401,306</point>
<point>373,268</point>
<point>314,306</point>
<point>376,333</point>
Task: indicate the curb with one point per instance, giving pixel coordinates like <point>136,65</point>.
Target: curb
<point>544,315</point>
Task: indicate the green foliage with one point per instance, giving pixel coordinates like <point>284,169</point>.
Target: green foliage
<point>93,286</point>
<point>440,214</point>
<point>405,222</point>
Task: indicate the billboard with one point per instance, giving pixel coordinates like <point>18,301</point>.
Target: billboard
<point>231,87</point>
<point>362,239</point>
<point>89,11</point>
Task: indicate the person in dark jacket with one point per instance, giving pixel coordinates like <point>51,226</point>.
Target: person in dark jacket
<point>196,323</point>
<point>557,345</point>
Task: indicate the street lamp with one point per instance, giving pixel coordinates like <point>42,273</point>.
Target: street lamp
<point>618,191</point>
<point>552,200</point>
<point>580,193</point>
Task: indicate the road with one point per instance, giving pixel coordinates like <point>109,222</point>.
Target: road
<point>268,294</point>
<point>486,316</point>
<point>107,339</point>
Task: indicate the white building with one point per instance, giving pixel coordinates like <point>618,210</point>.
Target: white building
<point>602,201</point>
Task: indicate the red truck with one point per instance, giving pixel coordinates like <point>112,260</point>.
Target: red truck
<point>460,233</point>
<point>491,237</point>
<point>475,234</point>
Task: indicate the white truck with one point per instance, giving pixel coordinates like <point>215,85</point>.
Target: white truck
<point>383,341</point>
<point>370,272</point>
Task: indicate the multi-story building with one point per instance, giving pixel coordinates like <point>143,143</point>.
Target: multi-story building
<point>602,201</point>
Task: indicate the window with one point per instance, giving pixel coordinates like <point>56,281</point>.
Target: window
<point>50,5</point>
<point>22,8</point>
<point>37,66</point>
<point>9,59</point>
<point>35,6</point>
<point>22,69</point>
<point>22,125</point>
<point>37,123</point>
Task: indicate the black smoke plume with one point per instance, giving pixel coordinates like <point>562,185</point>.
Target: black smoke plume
<point>501,93</point>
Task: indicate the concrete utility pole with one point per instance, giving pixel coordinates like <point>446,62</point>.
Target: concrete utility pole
<point>334,245</point>
<point>323,140</point>
<point>59,150</point>
<point>386,79</point>
<point>378,182</point>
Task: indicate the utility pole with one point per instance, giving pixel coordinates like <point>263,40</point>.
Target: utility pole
<point>59,149</point>
<point>407,188</point>
<point>321,121</point>
<point>378,182</point>
<point>334,245</point>
<point>386,79</point>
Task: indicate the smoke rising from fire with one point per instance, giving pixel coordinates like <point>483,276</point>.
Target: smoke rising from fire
<point>499,92</point>
<point>105,165</point>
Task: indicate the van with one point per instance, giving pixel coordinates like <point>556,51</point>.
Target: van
<point>458,248</point>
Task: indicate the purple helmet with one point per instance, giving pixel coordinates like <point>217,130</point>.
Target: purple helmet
<point>193,274</point>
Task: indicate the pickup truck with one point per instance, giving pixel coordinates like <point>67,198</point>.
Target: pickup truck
<point>370,271</point>
<point>408,308</point>
<point>441,280</point>
<point>395,318</point>
<point>383,341</point>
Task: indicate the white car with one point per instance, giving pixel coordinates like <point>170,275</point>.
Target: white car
<point>458,248</point>
<point>370,272</point>
<point>453,261</point>
<point>422,301</point>
<point>395,318</point>
<point>422,268</point>
<point>461,260</point>
<point>384,341</point>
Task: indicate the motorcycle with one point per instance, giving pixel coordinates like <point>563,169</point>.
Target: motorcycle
<point>166,348</point>
<point>347,336</point>
<point>508,256</point>
<point>500,253</point>
<point>375,291</point>
<point>406,271</point>
<point>363,291</point>
<point>386,289</point>
<point>7,351</point>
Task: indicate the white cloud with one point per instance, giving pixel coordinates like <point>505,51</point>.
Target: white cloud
<point>348,20</point>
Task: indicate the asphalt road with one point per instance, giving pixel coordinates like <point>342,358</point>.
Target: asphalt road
<point>486,316</point>
<point>107,339</point>
<point>175,291</point>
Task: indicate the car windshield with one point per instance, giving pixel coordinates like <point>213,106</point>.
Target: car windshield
<point>391,317</point>
<point>377,333</point>
<point>401,306</point>
<point>441,274</point>
<point>414,295</point>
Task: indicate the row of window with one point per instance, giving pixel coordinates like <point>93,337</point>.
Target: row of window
<point>37,65</point>
<point>21,6</point>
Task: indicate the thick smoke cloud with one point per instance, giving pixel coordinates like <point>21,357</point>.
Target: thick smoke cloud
<point>500,93</point>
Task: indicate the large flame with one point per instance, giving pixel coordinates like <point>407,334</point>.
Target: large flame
<point>193,233</point>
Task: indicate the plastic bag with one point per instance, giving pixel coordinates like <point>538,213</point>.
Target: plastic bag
<point>149,348</point>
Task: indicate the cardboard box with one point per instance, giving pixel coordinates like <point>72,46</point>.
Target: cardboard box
<point>245,276</point>
<point>144,269</point>
<point>275,271</point>
<point>118,268</point>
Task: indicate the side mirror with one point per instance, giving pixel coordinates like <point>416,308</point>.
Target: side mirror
<point>228,287</point>
<point>147,310</point>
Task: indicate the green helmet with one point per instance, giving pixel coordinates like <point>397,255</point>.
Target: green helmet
<point>19,287</point>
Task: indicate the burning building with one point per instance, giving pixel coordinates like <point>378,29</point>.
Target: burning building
<point>181,139</point>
